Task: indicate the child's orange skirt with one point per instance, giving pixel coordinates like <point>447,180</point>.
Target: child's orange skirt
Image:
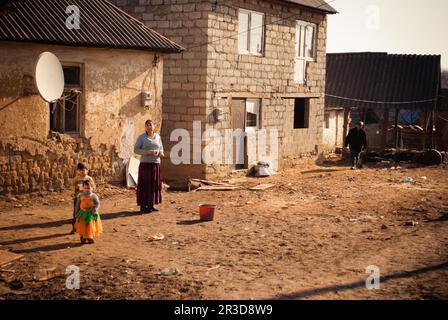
<point>87,226</point>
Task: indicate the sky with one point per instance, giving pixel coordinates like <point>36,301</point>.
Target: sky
<point>393,26</point>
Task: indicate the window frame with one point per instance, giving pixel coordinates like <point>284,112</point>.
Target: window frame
<point>80,102</point>
<point>248,51</point>
<point>306,114</point>
<point>298,40</point>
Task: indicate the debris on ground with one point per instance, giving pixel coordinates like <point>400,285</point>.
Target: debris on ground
<point>156,237</point>
<point>169,271</point>
<point>213,268</point>
<point>46,274</point>
<point>15,285</point>
<point>207,185</point>
<point>261,187</point>
<point>218,188</point>
<point>408,180</point>
<point>411,224</point>
<point>7,257</point>
<point>427,158</point>
<point>261,169</point>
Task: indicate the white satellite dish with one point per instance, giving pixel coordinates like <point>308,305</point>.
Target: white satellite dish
<point>49,77</point>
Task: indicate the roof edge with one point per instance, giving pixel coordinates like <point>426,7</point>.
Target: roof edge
<point>180,48</point>
<point>318,8</point>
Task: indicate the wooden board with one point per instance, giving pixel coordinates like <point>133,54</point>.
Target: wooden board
<point>264,186</point>
<point>209,182</point>
<point>217,188</point>
<point>7,257</point>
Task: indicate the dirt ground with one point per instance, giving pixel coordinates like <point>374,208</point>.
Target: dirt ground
<point>312,236</point>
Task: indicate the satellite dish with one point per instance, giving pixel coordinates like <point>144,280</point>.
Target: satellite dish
<point>49,77</point>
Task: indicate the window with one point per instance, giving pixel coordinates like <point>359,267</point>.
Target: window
<point>250,32</point>
<point>305,40</point>
<point>252,114</point>
<point>327,120</point>
<point>64,114</point>
<point>301,113</point>
<point>305,49</point>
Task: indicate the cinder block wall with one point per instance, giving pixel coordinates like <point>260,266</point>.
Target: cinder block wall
<point>270,76</point>
<point>185,74</point>
<point>211,71</point>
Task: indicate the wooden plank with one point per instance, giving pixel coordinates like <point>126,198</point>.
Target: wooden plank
<point>7,257</point>
<point>209,182</point>
<point>264,186</point>
<point>217,188</point>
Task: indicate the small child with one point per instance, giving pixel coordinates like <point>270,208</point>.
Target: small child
<point>81,176</point>
<point>88,223</point>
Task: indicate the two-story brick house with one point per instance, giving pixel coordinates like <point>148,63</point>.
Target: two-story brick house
<point>248,64</point>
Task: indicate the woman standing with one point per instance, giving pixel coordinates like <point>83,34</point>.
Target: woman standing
<point>149,188</point>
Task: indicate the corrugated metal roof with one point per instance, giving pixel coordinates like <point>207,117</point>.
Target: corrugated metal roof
<point>381,77</point>
<point>102,24</point>
<point>315,4</point>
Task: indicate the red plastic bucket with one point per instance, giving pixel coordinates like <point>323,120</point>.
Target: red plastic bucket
<point>207,212</point>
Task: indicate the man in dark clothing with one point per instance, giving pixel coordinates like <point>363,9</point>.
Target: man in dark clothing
<point>357,141</point>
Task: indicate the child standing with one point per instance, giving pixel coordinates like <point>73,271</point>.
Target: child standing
<point>81,176</point>
<point>88,223</point>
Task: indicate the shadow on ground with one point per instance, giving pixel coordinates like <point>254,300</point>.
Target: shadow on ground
<point>59,223</point>
<point>359,284</point>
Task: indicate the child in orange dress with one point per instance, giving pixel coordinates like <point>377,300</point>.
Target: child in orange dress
<point>88,223</point>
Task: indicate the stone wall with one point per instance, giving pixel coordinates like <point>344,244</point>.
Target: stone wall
<point>112,116</point>
<point>211,72</point>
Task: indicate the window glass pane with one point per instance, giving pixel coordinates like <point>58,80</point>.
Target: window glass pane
<point>256,33</point>
<point>72,76</point>
<point>309,41</point>
<point>300,40</point>
<point>251,119</point>
<point>243,27</point>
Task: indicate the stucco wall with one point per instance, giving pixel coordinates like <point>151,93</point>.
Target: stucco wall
<point>112,115</point>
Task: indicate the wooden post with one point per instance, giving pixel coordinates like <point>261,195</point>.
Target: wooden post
<point>431,128</point>
<point>385,127</point>
<point>337,128</point>
<point>397,113</point>
<point>345,129</point>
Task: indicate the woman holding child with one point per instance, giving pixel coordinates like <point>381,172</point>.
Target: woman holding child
<point>149,187</point>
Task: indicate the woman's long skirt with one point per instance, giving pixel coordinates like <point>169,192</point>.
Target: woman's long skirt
<point>149,187</point>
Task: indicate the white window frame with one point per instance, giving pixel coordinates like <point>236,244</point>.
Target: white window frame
<point>301,59</point>
<point>301,39</point>
<point>247,50</point>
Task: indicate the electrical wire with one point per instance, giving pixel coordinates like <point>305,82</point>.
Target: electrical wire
<point>381,102</point>
<point>262,26</point>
